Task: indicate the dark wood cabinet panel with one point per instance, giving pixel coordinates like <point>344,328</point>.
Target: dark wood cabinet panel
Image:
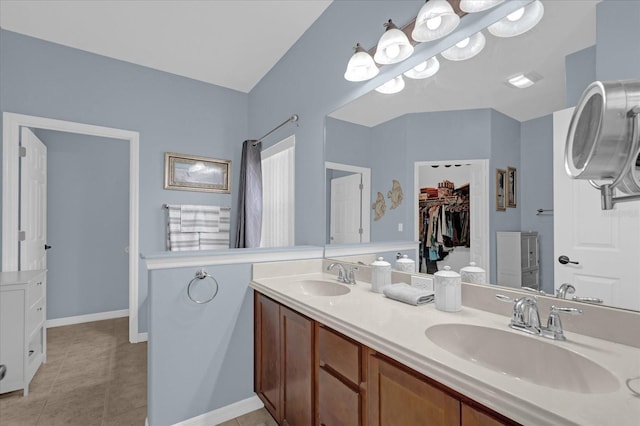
<point>339,353</point>
<point>474,417</point>
<point>338,403</point>
<point>267,360</point>
<point>297,334</point>
<point>399,396</point>
<point>309,375</point>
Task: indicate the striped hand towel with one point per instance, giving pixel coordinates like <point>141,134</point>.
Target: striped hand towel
<point>225,219</point>
<point>199,218</point>
<point>174,218</point>
<point>214,240</point>
<point>184,241</point>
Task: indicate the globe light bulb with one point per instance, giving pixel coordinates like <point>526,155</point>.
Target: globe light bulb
<point>434,23</point>
<point>392,51</point>
<point>463,43</point>
<point>514,16</point>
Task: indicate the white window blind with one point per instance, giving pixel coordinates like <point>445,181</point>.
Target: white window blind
<point>278,194</point>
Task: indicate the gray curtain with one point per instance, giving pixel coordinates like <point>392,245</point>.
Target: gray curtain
<point>249,212</point>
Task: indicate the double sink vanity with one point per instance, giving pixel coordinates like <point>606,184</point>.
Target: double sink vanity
<point>331,353</point>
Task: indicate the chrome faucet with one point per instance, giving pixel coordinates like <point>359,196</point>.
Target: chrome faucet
<point>527,318</point>
<point>344,276</point>
<point>567,288</point>
<point>525,315</point>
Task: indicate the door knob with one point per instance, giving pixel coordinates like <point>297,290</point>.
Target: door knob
<point>565,259</point>
<point>47,246</point>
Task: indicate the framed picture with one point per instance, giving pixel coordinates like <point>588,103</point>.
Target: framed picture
<point>501,177</point>
<point>193,173</point>
<point>512,187</point>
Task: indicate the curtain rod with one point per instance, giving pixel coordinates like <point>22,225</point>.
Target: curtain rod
<point>293,119</point>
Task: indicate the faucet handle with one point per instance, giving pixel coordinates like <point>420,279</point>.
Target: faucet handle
<point>533,290</point>
<point>351,276</point>
<point>554,328</point>
<point>503,298</point>
<point>587,299</point>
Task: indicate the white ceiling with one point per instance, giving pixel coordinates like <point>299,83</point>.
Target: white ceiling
<point>567,26</point>
<point>229,43</point>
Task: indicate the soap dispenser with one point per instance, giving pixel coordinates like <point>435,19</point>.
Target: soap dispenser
<point>448,291</point>
<point>380,275</point>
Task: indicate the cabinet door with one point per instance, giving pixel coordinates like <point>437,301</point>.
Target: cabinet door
<point>267,353</point>
<point>399,396</point>
<point>298,362</point>
<point>338,403</point>
<point>473,417</point>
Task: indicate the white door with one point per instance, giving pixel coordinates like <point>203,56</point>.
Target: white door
<point>605,243</point>
<point>33,202</point>
<point>346,205</point>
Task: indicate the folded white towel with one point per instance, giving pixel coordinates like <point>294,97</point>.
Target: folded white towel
<point>199,218</point>
<point>407,294</point>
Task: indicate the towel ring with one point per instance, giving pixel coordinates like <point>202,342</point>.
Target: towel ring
<point>201,274</point>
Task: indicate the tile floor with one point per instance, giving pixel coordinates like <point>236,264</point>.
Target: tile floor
<point>93,376</point>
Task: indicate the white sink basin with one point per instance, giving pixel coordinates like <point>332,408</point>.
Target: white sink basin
<point>320,288</point>
<point>524,357</point>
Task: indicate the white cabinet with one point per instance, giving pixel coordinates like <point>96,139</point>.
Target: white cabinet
<point>517,258</point>
<point>23,336</point>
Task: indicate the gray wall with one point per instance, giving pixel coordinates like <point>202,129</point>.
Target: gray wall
<point>200,356</point>
<point>172,113</point>
<point>87,224</point>
<point>618,40</point>
<point>536,189</point>
<point>580,69</point>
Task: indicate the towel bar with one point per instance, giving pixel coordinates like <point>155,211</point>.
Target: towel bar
<point>201,274</point>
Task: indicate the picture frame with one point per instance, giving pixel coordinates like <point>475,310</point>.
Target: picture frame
<point>195,173</point>
<point>501,178</point>
<point>512,187</point>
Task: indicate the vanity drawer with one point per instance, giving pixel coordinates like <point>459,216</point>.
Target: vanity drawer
<point>35,316</point>
<point>35,291</point>
<point>340,354</point>
<point>338,404</point>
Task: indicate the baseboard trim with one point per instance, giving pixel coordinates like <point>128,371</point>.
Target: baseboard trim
<point>224,414</point>
<point>79,319</point>
<point>142,337</point>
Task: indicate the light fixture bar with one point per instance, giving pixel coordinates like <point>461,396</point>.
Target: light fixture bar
<point>408,28</point>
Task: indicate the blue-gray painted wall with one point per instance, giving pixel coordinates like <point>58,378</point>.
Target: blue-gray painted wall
<point>536,190</point>
<point>618,40</point>
<point>172,113</point>
<point>580,71</point>
<point>200,355</point>
<point>87,224</point>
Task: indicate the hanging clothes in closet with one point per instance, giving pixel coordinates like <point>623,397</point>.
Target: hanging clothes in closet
<point>444,225</point>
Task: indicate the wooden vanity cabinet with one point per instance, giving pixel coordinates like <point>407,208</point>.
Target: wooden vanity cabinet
<point>340,398</point>
<point>284,362</point>
<point>308,374</point>
<point>399,396</point>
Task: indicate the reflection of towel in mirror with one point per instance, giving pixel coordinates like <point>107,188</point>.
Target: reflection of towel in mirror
<point>407,294</point>
<point>184,241</point>
<point>199,218</point>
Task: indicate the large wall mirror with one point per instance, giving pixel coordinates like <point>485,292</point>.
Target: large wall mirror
<point>467,138</point>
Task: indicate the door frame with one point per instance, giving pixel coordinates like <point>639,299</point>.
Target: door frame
<point>11,124</point>
<point>366,194</point>
<point>481,212</point>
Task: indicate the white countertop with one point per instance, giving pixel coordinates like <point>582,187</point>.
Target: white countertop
<point>398,331</point>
